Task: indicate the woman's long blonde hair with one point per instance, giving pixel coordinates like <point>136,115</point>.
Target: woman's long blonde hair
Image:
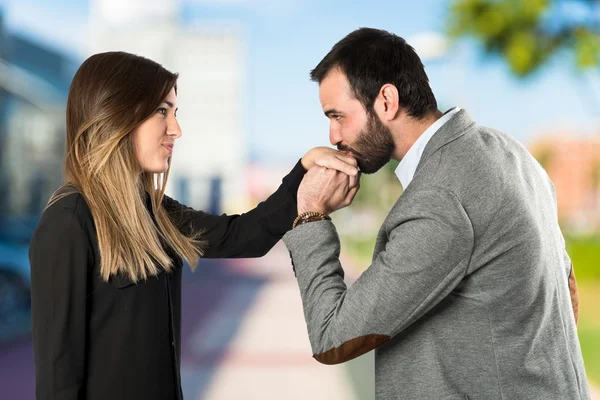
<point>111,94</point>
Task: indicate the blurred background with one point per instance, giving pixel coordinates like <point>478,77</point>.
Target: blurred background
<point>249,113</point>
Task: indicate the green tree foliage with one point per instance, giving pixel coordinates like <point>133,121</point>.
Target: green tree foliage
<point>527,33</point>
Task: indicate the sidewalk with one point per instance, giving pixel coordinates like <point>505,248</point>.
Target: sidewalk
<point>269,355</point>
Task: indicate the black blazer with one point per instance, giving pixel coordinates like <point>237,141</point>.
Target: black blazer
<point>119,340</point>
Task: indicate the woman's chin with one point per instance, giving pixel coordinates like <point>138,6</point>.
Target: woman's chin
<point>156,169</point>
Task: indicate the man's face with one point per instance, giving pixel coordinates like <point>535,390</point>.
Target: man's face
<point>351,128</point>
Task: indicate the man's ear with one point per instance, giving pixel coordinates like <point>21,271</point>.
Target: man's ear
<point>387,102</point>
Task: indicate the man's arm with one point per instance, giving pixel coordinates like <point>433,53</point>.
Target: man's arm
<point>572,282</point>
<point>426,256</point>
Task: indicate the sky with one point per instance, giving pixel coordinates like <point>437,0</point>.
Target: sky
<point>285,39</point>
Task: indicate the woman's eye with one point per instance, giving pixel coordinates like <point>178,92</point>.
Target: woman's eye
<point>162,111</point>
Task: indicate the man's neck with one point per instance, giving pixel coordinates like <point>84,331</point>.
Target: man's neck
<point>409,129</point>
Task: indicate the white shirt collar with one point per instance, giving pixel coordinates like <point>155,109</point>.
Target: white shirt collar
<point>408,165</point>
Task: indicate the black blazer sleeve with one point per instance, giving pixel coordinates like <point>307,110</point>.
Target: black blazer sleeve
<point>251,234</point>
<point>60,256</point>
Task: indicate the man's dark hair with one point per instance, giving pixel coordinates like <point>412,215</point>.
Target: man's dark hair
<point>371,58</point>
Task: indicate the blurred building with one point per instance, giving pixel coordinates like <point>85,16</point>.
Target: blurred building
<point>573,164</point>
<point>209,159</point>
<point>34,83</point>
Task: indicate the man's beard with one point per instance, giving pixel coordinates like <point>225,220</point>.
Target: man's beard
<point>373,147</point>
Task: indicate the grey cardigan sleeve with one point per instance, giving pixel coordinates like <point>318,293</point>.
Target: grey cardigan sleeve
<point>427,252</point>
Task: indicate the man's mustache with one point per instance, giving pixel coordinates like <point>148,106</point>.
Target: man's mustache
<point>348,149</point>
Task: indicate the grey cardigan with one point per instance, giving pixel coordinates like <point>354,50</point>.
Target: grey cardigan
<point>467,296</point>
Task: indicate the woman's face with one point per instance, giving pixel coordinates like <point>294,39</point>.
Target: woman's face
<point>154,138</point>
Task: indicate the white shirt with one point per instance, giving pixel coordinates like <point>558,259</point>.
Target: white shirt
<point>407,167</point>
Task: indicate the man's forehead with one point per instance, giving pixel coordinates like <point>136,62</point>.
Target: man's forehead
<point>334,88</point>
<point>335,79</point>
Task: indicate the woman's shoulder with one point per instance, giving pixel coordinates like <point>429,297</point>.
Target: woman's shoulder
<point>66,223</point>
<point>65,204</point>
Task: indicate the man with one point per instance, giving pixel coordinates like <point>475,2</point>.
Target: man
<point>468,294</point>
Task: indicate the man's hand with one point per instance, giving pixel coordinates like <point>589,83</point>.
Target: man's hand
<point>326,190</point>
<point>574,292</point>
<point>330,158</point>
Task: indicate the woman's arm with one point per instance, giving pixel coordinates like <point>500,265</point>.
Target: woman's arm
<point>255,232</point>
<point>251,234</point>
<point>60,255</point>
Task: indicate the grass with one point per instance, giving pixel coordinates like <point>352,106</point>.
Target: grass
<point>589,327</point>
<point>360,250</point>
<point>585,254</point>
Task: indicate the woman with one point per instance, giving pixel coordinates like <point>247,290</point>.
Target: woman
<point>107,254</point>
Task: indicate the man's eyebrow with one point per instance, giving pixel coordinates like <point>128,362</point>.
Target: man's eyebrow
<point>331,111</point>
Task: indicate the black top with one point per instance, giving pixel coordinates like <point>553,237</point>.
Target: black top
<point>119,340</point>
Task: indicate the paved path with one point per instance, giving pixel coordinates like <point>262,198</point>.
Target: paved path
<point>258,330</point>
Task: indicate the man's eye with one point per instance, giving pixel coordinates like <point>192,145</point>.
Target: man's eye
<point>337,117</point>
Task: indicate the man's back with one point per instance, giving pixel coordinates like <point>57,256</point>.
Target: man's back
<point>507,330</point>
